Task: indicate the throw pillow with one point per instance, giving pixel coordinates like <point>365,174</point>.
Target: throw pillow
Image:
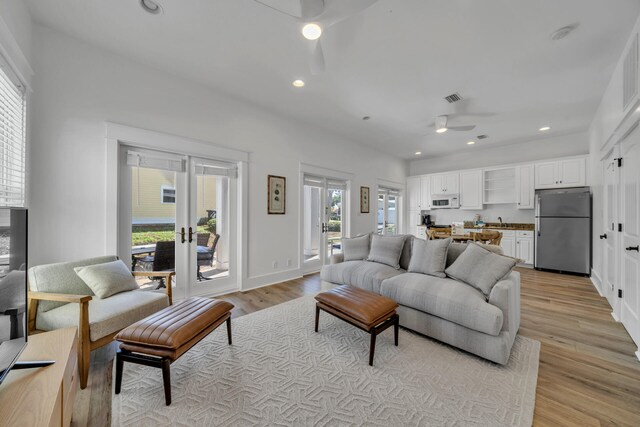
<point>107,279</point>
<point>429,257</point>
<point>355,248</point>
<point>480,268</point>
<point>456,249</point>
<point>386,250</point>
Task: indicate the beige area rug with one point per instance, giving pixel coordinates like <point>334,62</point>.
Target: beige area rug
<point>279,372</point>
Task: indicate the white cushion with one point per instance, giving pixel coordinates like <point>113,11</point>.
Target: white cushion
<point>108,278</point>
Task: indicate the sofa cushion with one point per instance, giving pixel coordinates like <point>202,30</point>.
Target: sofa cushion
<point>429,257</point>
<point>361,274</point>
<point>405,258</point>
<point>445,298</point>
<point>60,278</point>
<point>107,279</point>
<point>106,316</point>
<point>355,248</point>
<point>480,268</point>
<point>456,249</point>
<point>386,250</point>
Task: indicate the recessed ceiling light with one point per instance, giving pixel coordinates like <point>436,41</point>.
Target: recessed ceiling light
<point>544,128</point>
<point>298,83</point>
<point>471,142</point>
<point>418,153</point>
<point>312,31</point>
<point>366,117</point>
<point>151,6</point>
<point>441,130</point>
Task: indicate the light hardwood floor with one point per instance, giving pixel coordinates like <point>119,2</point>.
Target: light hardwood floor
<point>588,374</point>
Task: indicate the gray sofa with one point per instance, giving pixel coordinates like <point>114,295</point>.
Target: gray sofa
<point>442,308</point>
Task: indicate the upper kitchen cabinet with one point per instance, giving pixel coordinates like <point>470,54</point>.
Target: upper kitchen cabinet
<point>414,193</point>
<point>561,173</point>
<point>425,193</point>
<point>500,186</point>
<point>445,183</point>
<point>471,190</point>
<point>525,187</point>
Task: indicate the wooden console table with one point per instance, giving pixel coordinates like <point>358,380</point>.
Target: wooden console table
<point>43,396</point>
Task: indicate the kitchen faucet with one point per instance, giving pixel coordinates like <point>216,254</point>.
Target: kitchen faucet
<point>500,219</point>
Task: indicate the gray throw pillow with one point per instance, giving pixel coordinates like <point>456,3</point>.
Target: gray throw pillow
<point>429,257</point>
<point>456,249</point>
<point>107,279</point>
<point>355,248</point>
<point>386,250</point>
<point>480,268</point>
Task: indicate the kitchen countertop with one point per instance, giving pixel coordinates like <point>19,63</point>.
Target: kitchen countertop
<point>504,226</point>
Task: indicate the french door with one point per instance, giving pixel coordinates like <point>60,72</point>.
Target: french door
<point>388,206</point>
<point>609,235</point>
<point>175,216</point>
<point>630,239</point>
<point>323,220</point>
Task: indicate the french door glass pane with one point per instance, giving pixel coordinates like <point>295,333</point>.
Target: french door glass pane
<point>212,211</point>
<point>153,224</point>
<point>334,221</point>
<point>381,216</point>
<point>392,215</point>
<point>312,223</point>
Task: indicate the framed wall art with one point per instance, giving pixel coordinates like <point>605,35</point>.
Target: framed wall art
<point>364,199</point>
<point>276,195</point>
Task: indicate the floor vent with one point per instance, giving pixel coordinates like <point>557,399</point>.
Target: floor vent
<point>483,136</point>
<point>454,97</point>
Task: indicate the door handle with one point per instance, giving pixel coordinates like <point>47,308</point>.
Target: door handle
<point>324,228</point>
<point>190,234</point>
<point>633,248</point>
<point>603,236</point>
<point>182,235</point>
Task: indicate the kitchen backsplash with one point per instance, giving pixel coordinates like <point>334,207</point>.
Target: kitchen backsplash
<point>490,213</point>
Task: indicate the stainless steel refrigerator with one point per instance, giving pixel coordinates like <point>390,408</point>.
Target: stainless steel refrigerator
<point>563,230</point>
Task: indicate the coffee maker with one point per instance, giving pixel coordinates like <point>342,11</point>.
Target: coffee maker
<point>426,220</point>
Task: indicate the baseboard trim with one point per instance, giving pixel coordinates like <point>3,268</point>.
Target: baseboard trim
<point>256,282</point>
<point>637,353</point>
<point>597,282</point>
<point>615,317</point>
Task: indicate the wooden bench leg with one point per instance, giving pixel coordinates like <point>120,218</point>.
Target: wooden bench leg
<point>229,329</point>
<point>317,317</point>
<point>372,350</point>
<point>166,379</point>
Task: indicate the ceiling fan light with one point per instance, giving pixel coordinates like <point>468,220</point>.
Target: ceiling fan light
<point>298,83</point>
<point>312,31</point>
<point>441,130</point>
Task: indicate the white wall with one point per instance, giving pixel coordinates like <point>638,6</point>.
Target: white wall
<point>78,87</point>
<point>478,157</point>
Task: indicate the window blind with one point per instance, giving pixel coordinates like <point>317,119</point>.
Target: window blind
<point>332,184</point>
<point>388,191</point>
<point>212,167</point>
<point>152,160</point>
<point>12,139</point>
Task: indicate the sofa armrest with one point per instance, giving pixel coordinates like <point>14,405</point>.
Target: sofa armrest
<point>506,296</point>
<point>336,259</point>
<point>46,296</point>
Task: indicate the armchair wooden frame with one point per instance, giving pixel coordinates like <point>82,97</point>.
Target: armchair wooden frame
<point>85,345</point>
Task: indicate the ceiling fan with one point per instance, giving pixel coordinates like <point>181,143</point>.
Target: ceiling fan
<point>440,123</point>
<point>316,16</point>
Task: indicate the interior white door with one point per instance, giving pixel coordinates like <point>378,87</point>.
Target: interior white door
<point>608,235</point>
<point>630,244</point>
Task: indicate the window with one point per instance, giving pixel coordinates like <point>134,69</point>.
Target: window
<point>12,139</point>
<point>168,195</point>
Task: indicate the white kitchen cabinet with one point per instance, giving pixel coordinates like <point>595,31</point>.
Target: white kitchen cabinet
<point>421,233</point>
<point>445,183</point>
<point>524,246</point>
<point>508,242</point>
<point>413,193</point>
<point>425,194</point>
<point>562,173</point>
<point>413,221</point>
<point>525,187</point>
<point>471,190</point>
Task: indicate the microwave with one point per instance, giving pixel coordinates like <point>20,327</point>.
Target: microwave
<point>445,201</point>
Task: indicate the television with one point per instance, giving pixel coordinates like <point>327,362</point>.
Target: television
<point>13,286</point>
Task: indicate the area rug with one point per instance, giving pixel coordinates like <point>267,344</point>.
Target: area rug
<point>279,372</point>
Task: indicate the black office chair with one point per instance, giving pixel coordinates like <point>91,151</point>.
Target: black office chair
<point>206,258</point>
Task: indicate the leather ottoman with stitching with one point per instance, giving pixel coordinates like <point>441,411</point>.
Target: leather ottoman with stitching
<point>366,310</point>
<point>160,339</point>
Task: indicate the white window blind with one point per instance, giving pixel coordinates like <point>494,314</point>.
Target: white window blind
<point>155,160</point>
<point>12,139</point>
<point>213,167</point>
<point>332,184</point>
<point>388,191</point>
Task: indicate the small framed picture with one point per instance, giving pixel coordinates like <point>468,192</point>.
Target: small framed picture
<point>276,194</point>
<point>364,199</point>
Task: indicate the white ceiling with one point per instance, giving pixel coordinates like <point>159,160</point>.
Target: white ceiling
<point>394,62</point>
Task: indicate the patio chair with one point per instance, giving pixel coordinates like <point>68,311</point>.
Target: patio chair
<point>205,258</point>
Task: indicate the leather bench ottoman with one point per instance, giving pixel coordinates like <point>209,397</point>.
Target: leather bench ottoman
<point>160,339</point>
<point>366,310</point>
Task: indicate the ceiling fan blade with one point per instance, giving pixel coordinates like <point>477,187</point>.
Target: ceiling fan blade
<point>462,128</point>
<point>339,10</point>
<point>310,9</point>
<point>316,57</point>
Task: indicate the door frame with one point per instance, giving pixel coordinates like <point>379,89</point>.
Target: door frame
<point>610,294</point>
<point>400,204</point>
<point>117,136</point>
<point>327,173</point>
